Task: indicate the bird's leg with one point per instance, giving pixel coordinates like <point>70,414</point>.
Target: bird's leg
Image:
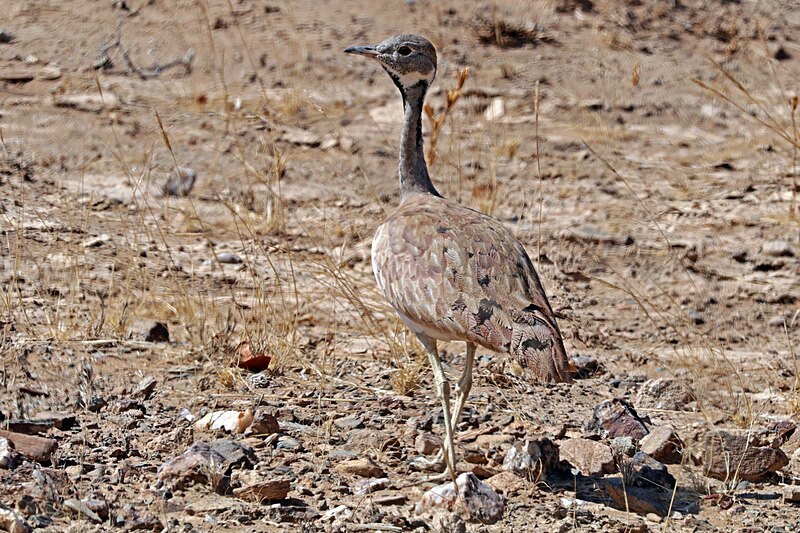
<point>464,384</point>
<point>462,392</point>
<point>443,389</point>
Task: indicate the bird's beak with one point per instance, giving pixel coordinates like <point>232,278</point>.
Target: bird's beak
<point>368,51</point>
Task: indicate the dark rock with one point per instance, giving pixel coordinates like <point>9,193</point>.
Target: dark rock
<point>730,455</point>
<point>532,459</point>
<point>618,418</point>
<point>781,54</point>
<point>236,454</point>
<point>649,473</point>
<point>6,36</point>
<point>586,366</point>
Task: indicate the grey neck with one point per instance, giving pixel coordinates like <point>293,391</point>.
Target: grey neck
<point>414,176</point>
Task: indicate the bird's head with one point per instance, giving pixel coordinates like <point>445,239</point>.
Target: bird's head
<point>410,60</point>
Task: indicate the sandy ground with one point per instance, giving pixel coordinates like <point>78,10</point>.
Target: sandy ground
<point>658,202</point>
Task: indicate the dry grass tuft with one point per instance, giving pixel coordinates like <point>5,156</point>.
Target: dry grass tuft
<point>506,34</point>
<point>452,96</point>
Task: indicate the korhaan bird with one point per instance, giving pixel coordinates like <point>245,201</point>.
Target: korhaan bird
<point>450,272</point>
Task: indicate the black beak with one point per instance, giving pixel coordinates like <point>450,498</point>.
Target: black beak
<point>368,51</point>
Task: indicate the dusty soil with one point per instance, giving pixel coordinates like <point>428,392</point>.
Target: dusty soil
<point>650,204</point>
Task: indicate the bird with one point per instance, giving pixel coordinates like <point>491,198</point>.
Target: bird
<point>450,272</point>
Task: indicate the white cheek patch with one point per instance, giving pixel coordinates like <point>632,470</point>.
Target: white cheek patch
<point>409,79</point>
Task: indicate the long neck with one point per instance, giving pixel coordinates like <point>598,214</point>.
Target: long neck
<point>413,170</point>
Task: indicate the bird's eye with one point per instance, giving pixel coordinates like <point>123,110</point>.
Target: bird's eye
<point>404,50</point>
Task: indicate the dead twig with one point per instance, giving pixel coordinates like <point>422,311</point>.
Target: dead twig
<point>106,63</point>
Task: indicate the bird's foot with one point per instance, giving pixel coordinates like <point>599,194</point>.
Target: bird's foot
<point>423,464</point>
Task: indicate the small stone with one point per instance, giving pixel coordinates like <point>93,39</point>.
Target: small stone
<point>180,182</point>
<point>237,454</point>
<point>623,446</point>
<point>592,458</point>
<point>19,76</point>
<point>12,521</point>
<point>586,366</point>
<point>340,513</point>
<point>662,444</point>
<point>732,454</point>
<point>198,464</point>
<point>49,73</point>
<point>229,258</point>
<point>96,242</point>
<point>80,508</point>
<point>6,36</point>
<point>496,109</point>
<point>263,491</point>
<point>145,388</point>
<point>636,499</point>
<point>618,418</point>
<point>153,331</point>
<point>777,248</point>
<point>349,423</point>
<point>532,459</point>
<point>359,467</point>
<point>697,317</point>
<point>475,500</point>
<point>652,517</point>
<point>289,443</point>
<point>649,473</point>
<point>507,483</point>
<point>264,423</point>
<point>663,393</point>
<point>248,358</point>
<point>428,443</point>
<point>493,440</point>
<point>99,507</point>
<point>9,459</point>
<point>368,486</point>
<point>391,499</point>
<point>230,421</point>
<point>447,522</point>
<point>791,493</point>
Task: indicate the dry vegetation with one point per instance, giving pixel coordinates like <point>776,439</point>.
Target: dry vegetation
<point>645,151</point>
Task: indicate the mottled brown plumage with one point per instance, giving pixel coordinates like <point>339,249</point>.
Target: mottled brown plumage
<point>450,272</point>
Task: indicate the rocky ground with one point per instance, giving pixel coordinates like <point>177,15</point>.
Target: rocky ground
<point>206,350</point>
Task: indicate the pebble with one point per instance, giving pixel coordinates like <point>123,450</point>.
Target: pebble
<point>49,72</point>
<point>532,459</point>
<point>264,423</point>
<point>368,486</point>
<point>428,443</point>
<point>12,521</point>
<point>198,464</point>
<point>263,491</point>
<point>6,36</point>
<point>289,443</point>
<point>359,467</point>
<point>777,248</point>
<point>180,182</point>
<point>618,418</point>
